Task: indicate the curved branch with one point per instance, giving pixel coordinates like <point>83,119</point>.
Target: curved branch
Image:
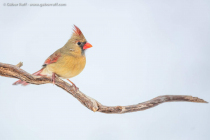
<point>13,71</point>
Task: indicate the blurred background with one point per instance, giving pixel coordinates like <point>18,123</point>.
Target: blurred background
<point>141,49</point>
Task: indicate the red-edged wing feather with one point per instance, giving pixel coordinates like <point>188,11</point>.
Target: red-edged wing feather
<point>53,58</point>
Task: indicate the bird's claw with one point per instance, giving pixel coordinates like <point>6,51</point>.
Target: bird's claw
<point>75,87</point>
<point>53,78</point>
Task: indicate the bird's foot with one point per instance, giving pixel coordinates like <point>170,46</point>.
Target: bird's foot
<point>53,78</point>
<point>76,88</point>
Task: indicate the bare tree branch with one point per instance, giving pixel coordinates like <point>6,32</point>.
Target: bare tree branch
<point>13,71</point>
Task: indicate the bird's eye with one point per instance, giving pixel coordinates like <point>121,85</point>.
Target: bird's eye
<point>78,43</point>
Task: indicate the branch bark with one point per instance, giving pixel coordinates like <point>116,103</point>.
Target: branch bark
<point>13,71</point>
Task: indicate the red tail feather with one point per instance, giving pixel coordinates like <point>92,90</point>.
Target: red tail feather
<point>25,83</point>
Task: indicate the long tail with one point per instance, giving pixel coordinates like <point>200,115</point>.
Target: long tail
<point>25,83</point>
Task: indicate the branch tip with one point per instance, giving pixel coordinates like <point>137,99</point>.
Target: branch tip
<point>195,99</point>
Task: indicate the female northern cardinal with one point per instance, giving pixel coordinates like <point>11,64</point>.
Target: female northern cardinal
<point>67,61</point>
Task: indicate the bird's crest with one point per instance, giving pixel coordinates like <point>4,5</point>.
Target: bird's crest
<point>76,30</point>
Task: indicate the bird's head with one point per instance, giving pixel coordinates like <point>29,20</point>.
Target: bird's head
<point>77,43</point>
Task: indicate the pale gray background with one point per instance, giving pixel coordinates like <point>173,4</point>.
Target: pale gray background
<point>141,49</point>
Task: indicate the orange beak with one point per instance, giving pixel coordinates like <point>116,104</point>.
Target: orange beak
<point>87,45</point>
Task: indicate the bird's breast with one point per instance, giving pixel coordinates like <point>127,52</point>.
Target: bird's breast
<point>68,66</point>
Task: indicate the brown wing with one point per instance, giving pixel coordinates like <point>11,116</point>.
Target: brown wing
<point>52,58</point>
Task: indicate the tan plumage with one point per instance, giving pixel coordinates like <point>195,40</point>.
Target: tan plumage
<point>67,61</point>
<point>66,67</point>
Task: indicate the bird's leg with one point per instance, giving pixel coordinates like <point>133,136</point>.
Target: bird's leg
<point>53,78</point>
<point>73,85</point>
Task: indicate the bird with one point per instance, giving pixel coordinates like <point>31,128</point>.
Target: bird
<point>66,62</point>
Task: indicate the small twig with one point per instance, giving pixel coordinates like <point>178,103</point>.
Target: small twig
<point>20,64</point>
<point>13,71</point>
